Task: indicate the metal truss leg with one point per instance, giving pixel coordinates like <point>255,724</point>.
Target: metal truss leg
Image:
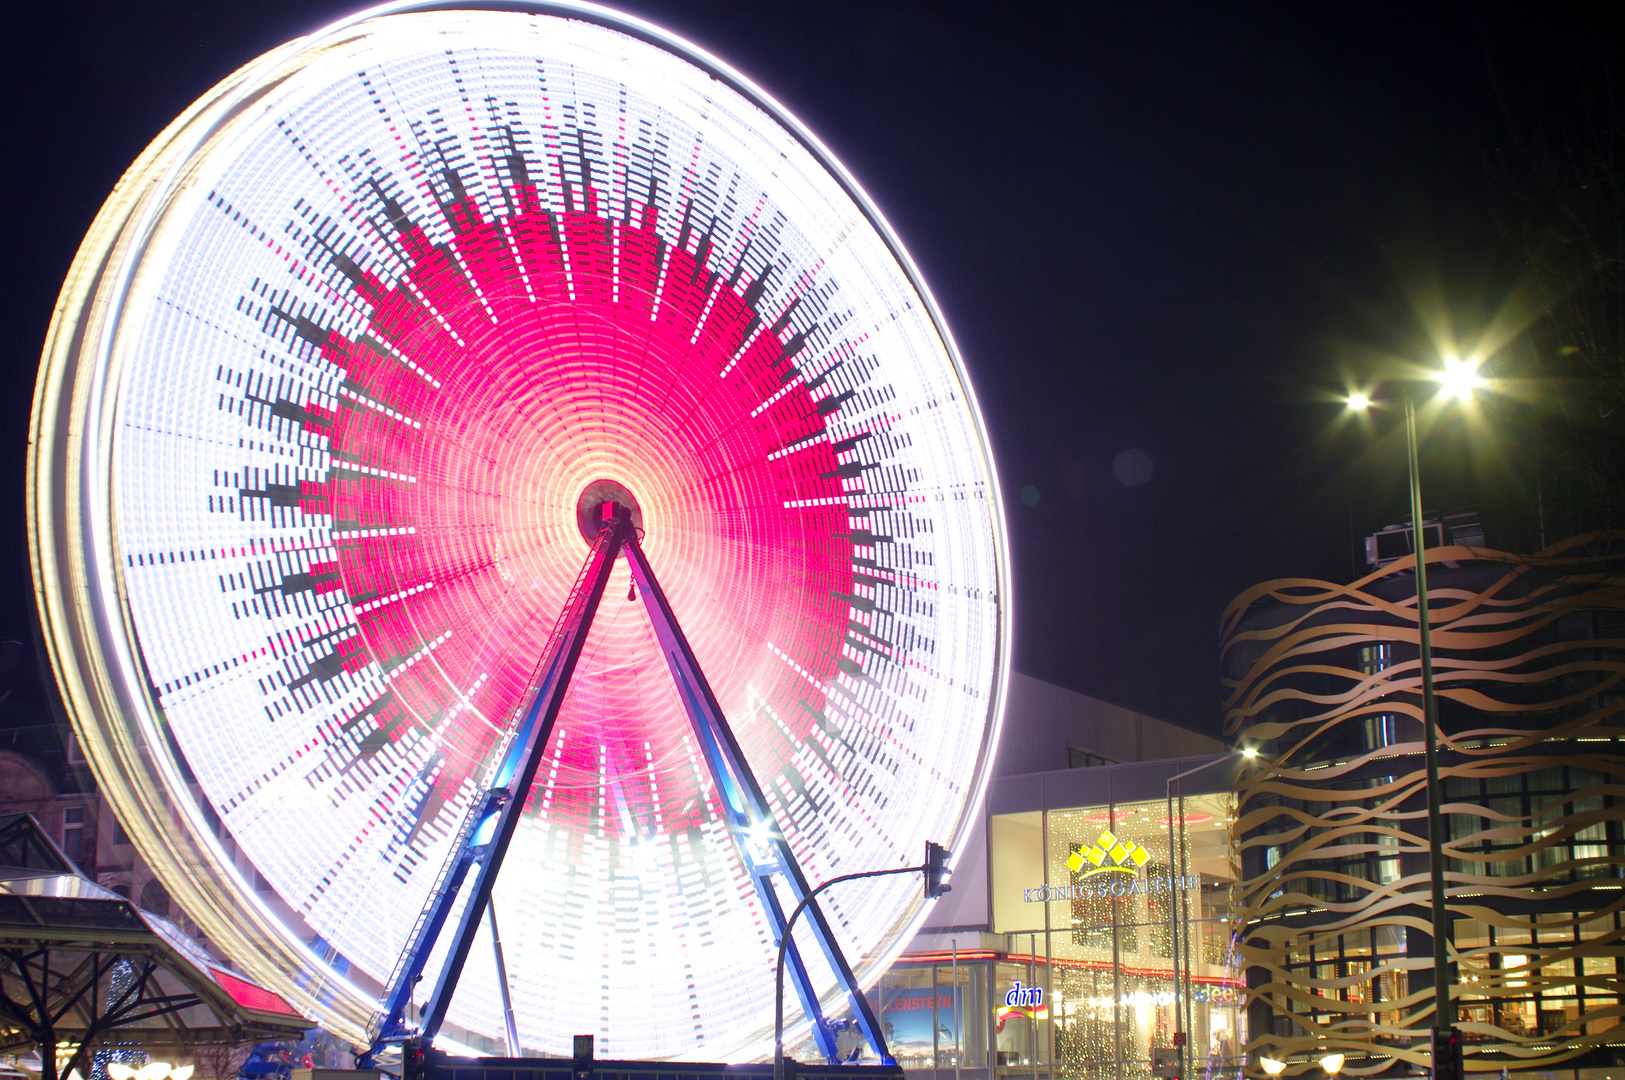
<point>762,846</point>
<point>510,1027</point>
<point>392,1026</point>
<point>487,832</point>
<point>486,841</point>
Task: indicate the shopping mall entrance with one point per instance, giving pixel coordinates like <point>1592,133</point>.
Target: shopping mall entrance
<point>1102,949</point>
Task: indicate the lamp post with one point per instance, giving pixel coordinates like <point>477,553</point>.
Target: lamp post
<point>1458,380</point>
<point>1182,1021</point>
<point>1442,1015</point>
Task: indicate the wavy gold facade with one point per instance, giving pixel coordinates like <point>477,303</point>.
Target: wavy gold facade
<point>1331,830</point>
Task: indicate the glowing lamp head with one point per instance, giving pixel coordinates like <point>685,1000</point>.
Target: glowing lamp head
<point>182,1072</point>
<point>1249,752</point>
<point>119,1071</point>
<point>1272,1067</point>
<point>1332,1063</point>
<point>153,1070</point>
<point>1359,402</point>
<point>1459,378</point>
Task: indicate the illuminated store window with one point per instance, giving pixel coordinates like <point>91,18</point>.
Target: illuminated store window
<point>1095,903</point>
<point>932,1015</point>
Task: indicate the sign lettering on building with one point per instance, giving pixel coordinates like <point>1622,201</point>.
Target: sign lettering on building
<point>1109,867</point>
<point>1024,997</point>
<point>1104,889</point>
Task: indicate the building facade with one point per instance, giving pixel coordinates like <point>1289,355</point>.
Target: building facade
<point>1055,955</point>
<point>1331,831</point>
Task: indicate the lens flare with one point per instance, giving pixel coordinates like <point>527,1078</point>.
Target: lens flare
<point>1459,378</point>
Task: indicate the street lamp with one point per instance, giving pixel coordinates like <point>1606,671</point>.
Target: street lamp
<point>1272,1067</point>
<point>1458,380</point>
<point>1184,1023</point>
<point>1332,1063</point>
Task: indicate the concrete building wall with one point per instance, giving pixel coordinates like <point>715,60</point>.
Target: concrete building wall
<point>1042,720</point>
<point>1042,723</point>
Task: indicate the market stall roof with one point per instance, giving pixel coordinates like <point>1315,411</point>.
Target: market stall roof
<point>82,966</point>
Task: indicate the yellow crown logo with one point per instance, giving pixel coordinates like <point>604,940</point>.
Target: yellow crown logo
<point>1108,855</point>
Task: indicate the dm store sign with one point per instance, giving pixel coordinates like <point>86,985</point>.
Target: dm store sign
<point>1022,1002</point>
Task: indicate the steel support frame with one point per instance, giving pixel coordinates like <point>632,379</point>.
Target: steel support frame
<point>761,845</point>
<point>488,831</point>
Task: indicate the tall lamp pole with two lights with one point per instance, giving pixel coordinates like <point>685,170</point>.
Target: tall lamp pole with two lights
<point>1458,380</point>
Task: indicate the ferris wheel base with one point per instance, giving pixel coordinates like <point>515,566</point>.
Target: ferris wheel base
<point>762,848</point>
<point>428,1064</point>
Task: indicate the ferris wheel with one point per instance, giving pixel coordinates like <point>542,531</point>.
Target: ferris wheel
<point>353,375</point>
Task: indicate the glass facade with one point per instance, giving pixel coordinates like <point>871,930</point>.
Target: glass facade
<point>1106,924</point>
<point>1091,920</point>
<point>933,1013</point>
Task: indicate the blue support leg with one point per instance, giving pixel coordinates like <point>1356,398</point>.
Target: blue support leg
<point>750,819</point>
<point>488,830</point>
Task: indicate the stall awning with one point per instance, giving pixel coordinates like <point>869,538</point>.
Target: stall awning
<point>81,966</point>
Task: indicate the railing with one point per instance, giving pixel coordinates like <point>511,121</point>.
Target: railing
<point>437,1067</point>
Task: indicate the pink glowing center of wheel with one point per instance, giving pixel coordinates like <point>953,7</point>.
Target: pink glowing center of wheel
<point>521,376</point>
<point>592,508</point>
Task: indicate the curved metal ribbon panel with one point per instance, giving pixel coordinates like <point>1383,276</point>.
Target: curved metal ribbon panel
<point>1331,834</point>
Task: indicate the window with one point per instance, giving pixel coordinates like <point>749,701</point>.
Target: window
<point>73,832</point>
<point>1083,759</point>
<point>1375,658</point>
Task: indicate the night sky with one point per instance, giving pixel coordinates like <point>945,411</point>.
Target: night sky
<point>1164,236</point>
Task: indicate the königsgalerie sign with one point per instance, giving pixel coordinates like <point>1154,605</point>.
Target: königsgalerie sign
<point>1114,866</point>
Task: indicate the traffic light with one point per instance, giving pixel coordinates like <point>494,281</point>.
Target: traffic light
<point>936,870</point>
<point>1447,1058</point>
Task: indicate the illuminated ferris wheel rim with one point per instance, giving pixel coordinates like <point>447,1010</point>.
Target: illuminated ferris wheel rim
<point>147,779</point>
<point>663,39</point>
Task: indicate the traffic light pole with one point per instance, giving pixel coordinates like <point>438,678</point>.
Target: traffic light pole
<point>935,869</point>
